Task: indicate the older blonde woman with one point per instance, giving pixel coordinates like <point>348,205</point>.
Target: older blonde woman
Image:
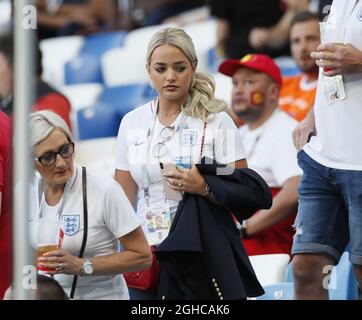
<point>111,218</point>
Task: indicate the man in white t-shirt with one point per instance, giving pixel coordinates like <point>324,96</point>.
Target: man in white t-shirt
<point>330,205</point>
<point>269,148</point>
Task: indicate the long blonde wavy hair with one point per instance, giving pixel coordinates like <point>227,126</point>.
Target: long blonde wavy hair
<point>201,102</point>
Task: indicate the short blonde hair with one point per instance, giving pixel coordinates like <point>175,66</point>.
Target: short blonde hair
<point>43,123</point>
<point>201,102</point>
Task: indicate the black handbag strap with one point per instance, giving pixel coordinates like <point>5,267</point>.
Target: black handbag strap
<point>85,219</point>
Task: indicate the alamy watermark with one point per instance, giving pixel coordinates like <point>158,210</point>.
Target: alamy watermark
<point>29,280</point>
<point>330,280</point>
<point>29,17</point>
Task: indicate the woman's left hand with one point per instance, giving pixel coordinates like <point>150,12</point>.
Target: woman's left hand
<point>61,261</point>
<point>187,180</point>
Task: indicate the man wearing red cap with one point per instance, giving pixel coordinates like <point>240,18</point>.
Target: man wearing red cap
<point>269,147</point>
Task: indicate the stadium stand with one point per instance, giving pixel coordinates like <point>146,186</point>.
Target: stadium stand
<point>97,121</point>
<point>56,52</point>
<point>122,66</point>
<point>343,284</point>
<point>82,95</point>
<point>275,270</point>
<point>87,154</point>
<point>278,291</point>
<point>101,42</point>
<point>127,97</point>
<point>223,87</point>
<point>139,38</point>
<point>203,44</point>
<point>86,66</point>
<point>5,16</point>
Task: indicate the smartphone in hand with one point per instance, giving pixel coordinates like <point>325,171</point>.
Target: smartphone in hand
<point>169,192</point>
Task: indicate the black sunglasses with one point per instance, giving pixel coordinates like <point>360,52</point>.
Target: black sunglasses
<point>49,158</point>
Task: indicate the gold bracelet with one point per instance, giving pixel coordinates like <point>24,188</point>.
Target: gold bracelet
<point>209,195</point>
<point>207,190</point>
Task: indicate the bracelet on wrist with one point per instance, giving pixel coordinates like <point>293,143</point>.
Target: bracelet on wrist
<point>207,190</point>
<point>209,195</point>
<point>243,231</point>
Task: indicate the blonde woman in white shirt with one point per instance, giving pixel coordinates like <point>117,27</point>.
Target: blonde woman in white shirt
<point>183,124</point>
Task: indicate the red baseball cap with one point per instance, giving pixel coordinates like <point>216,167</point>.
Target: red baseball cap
<point>257,62</point>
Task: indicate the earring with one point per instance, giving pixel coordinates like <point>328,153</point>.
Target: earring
<point>192,83</point>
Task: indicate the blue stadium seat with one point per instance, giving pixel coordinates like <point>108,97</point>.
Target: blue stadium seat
<point>343,283</point>
<point>126,98</point>
<point>289,72</point>
<point>150,93</point>
<point>85,67</point>
<point>213,60</point>
<point>97,122</point>
<point>289,273</point>
<point>278,291</point>
<point>287,66</point>
<point>99,43</point>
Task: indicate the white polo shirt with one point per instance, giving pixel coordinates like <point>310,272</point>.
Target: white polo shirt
<point>110,217</point>
<point>270,149</point>
<point>135,148</point>
<point>339,124</point>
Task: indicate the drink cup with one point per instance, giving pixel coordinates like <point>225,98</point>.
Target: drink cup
<point>48,235</point>
<point>44,248</point>
<point>331,33</point>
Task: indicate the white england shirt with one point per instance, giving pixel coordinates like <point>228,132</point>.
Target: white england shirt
<point>110,217</point>
<point>140,131</point>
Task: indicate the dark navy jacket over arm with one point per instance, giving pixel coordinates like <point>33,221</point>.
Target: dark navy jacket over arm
<point>203,257</point>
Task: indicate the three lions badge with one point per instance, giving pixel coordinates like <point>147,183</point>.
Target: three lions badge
<point>71,224</point>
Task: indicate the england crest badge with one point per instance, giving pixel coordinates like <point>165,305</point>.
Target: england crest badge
<point>71,224</point>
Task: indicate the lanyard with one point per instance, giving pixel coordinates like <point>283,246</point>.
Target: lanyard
<point>253,147</point>
<point>151,129</point>
<point>150,134</point>
<point>65,193</point>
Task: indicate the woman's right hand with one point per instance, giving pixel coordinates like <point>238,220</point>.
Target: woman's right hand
<point>187,180</point>
<point>61,261</point>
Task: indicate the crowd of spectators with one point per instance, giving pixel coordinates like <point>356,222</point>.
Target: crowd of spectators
<point>270,110</point>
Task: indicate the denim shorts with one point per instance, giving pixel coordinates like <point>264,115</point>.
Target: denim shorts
<point>329,212</point>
